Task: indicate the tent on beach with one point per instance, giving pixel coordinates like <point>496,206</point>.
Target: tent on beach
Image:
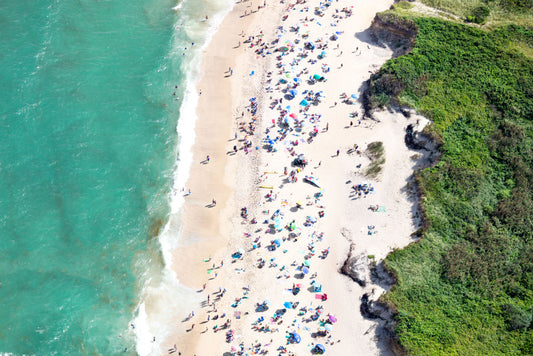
<point>294,337</point>
<point>319,349</point>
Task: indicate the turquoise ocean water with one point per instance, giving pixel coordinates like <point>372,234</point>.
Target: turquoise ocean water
<point>88,148</point>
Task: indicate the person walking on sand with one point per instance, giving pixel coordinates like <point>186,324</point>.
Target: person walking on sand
<point>338,151</point>
<point>208,158</point>
<point>214,202</point>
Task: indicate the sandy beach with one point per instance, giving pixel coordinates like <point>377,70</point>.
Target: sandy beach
<point>279,188</point>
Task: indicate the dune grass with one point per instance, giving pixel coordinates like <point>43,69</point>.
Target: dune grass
<point>376,153</point>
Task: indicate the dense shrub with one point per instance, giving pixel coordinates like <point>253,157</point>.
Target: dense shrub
<point>479,14</point>
<point>467,286</point>
<point>516,317</point>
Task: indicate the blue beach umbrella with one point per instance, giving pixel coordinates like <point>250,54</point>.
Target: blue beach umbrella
<point>293,92</point>
<point>305,270</point>
<point>304,102</point>
<point>287,305</point>
<point>277,242</point>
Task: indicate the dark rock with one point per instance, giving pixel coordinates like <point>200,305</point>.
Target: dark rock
<point>397,33</point>
<point>373,309</point>
<point>356,267</point>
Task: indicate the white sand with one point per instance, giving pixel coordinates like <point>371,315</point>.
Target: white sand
<point>234,180</point>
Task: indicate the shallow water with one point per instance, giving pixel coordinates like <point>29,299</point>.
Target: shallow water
<point>88,148</point>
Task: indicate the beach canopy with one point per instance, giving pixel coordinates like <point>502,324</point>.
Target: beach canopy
<point>332,319</point>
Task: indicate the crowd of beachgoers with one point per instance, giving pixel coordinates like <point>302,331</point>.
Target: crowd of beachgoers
<point>271,289</point>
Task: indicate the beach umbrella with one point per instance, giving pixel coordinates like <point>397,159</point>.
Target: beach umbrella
<point>241,251</point>
<point>293,115</point>
<point>293,92</point>
<point>355,96</point>
<point>304,102</point>
<point>305,270</point>
<point>317,76</point>
<point>297,80</point>
<point>323,53</point>
<point>332,319</point>
<point>306,262</point>
<point>287,305</point>
<point>328,327</point>
<point>277,242</point>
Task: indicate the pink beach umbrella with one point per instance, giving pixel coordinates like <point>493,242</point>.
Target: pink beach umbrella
<point>332,318</point>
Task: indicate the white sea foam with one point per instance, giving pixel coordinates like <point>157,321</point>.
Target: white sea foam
<point>164,302</point>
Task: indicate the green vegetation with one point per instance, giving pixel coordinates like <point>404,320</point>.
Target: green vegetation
<point>466,288</point>
<point>479,14</point>
<point>375,152</point>
<point>496,12</point>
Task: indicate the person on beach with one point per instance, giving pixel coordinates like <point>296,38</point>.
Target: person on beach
<point>214,202</point>
<point>207,158</point>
